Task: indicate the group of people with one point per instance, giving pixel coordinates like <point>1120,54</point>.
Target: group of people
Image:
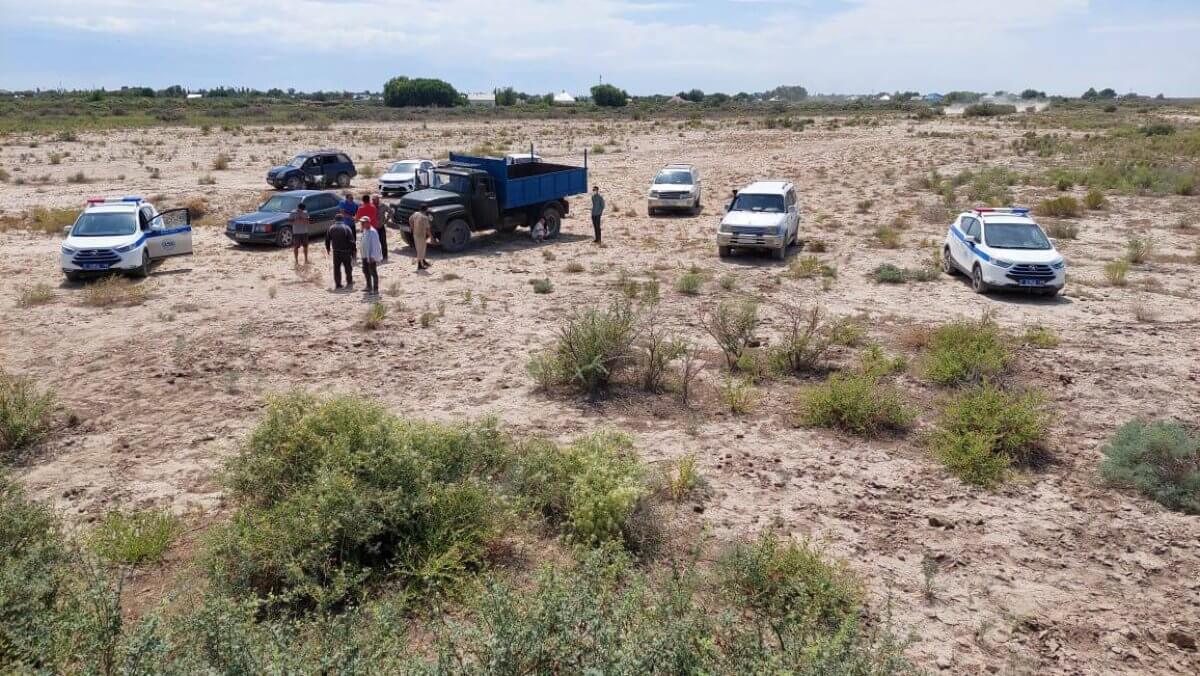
<point>369,244</point>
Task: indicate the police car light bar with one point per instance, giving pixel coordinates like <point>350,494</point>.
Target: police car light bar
<point>131,198</point>
<point>95,200</point>
<point>1016,211</point>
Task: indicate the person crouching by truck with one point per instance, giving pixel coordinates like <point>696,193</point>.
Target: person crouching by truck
<point>371,253</point>
<point>340,240</point>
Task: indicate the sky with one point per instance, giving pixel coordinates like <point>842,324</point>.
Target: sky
<point>643,46</point>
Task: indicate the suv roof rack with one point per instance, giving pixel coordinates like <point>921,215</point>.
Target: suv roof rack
<point>1015,211</point>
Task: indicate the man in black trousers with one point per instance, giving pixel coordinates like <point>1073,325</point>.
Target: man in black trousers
<point>340,239</point>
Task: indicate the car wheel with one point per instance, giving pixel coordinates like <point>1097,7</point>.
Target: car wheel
<point>977,283</point>
<point>948,262</point>
<point>408,238</point>
<point>73,276</point>
<point>455,236</point>
<point>343,180</point>
<point>143,270</point>
<point>724,251</point>
<point>696,207</point>
<point>1051,292</point>
<point>553,222</point>
<point>295,183</point>
<point>284,237</point>
<point>651,211</point>
<point>781,253</point>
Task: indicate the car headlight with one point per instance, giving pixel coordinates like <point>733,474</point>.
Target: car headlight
<point>654,193</point>
<point>124,249</point>
<point>262,227</point>
<point>69,250</point>
<point>1059,264</point>
<point>1001,264</point>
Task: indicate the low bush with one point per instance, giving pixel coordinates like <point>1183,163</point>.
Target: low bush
<point>988,110</point>
<point>542,285</point>
<point>375,316</point>
<point>689,283</point>
<point>591,490</point>
<point>112,291</point>
<point>1060,207</point>
<point>888,273</point>
<point>336,496</point>
<point>198,208</point>
<point>807,337</point>
<point>25,415</point>
<point>38,294</point>
<point>876,363</point>
<point>732,325</point>
<point>1139,249</point>
<point>966,351</point>
<point>805,267</point>
<point>1040,337</point>
<point>684,479</point>
<point>854,402</point>
<point>1160,459</point>
<point>40,219</point>
<point>1094,200</point>
<point>134,537</point>
<point>655,352</point>
<point>985,430</point>
<point>1116,272</point>
<point>590,350</point>
<point>1062,230</point>
<point>889,237</point>
<point>738,395</point>
<point>220,162</point>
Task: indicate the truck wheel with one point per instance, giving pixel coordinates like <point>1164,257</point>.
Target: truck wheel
<point>977,283</point>
<point>948,263</point>
<point>455,236</point>
<point>553,222</point>
<point>343,180</point>
<point>295,182</point>
<point>408,238</point>
<point>284,237</point>
<point>724,251</point>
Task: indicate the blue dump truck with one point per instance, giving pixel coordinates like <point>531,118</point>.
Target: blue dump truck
<point>482,193</point>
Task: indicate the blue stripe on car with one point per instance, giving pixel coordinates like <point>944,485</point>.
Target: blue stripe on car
<point>975,250</point>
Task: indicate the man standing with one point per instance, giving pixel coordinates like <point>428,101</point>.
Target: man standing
<point>421,225</point>
<point>371,254</point>
<point>300,223</point>
<point>340,239</point>
<point>349,206</point>
<point>597,211</point>
<point>382,217</point>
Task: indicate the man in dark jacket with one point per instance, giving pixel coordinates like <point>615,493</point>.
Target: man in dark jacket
<point>340,240</point>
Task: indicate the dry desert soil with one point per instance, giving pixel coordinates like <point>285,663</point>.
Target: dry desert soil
<point>1052,573</point>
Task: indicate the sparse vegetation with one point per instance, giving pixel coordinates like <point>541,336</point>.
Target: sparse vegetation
<point>807,337</point>
<point>689,283</point>
<point>592,347</point>
<point>113,291</point>
<point>1160,459</point>
<point>1116,271</point>
<point>985,430</point>
<point>25,415</point>
<point>542,285</point>
<point>1040,337</point>
<point>854,402</point>
<point>1059,207</point>
<point>1139,249</point>
<point>38,294</point>
<point>732,325</point>
<point>1095,200</point>
<point>375,317</point>
<point>966,351</point>
<point>1062,229</point>
<point>738,395</point>
<point>134,537</point>
<point>220,162</point>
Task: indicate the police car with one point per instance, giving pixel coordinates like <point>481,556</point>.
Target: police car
<point>1003,249</point>
<point>123,234</point>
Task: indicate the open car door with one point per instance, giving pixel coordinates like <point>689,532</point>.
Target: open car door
<point>170,234</point>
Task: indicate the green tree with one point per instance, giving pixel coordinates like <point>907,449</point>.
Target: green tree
<point>695,96</point>
<point>1032,94</point>
<point>1090,94</point>
<point>506,96</point>
<point>402,92</point>
<point>609,96</point>
<point>1108,93</point>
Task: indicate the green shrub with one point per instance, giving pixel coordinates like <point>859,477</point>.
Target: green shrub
<point>591,490</point>
<point>375,316</point>
<point>805,267</point>
<point>788,584</point>
<point>135,537</point>
<point>732,325</point>
<point>689,283</point>
<point>876,363</point>
<point>38,294</point>
<point>889,237</point>
<point>1062,230</point>
<point>988,110</point>
<point>983,431</point>
<point>1094,200</point>
<point>1116,271</point>
<point>738,395</point>
<point>1160,459</point>
<point>1041,337</point>
<point>25,414</point>
<point>1139,249</point>
<point>684,479</point>
<point>806,339</point>
<point>1061,207</point>
<point>542,285</point>
<point>887,273</point>
<point>336,495</point>
<point>854,402</point>
<point>966,351</point>
<point>590,350</point>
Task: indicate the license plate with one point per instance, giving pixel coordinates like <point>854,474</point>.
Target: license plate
<point>243,235</point>
<point>95,266</point>
<point>1031,282</point>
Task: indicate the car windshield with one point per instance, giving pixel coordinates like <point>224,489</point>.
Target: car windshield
<point>1015,236</point>
<point>403,168</point>
<point>452,182</point>
<point>280,204</point>
<point>768,203</point>
<point>298,161</point>
<point>105,224</point>
<point>673,177</point>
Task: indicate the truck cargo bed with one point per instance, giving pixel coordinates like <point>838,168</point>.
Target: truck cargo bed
<point>521,185</point>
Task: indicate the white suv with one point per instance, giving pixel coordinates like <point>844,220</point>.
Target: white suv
<point>1003,248</point>
<point>406,176</point>
<point>676,186</point>
<point>763,215</point>
<point>123,234</point>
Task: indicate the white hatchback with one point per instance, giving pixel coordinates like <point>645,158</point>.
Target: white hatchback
<point>1003,249</point>
<point>123,235</point>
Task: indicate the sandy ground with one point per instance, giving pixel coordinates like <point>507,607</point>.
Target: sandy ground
<point>1053,574</point>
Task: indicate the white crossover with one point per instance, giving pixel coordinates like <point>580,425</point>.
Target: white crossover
<point>124,234</point>
<point>1003,248</point>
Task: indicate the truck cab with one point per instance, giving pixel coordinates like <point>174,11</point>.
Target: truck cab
<point>481,193</point>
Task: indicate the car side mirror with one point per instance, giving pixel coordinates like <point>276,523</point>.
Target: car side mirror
<point>67,230</point>
<point>972,239</point>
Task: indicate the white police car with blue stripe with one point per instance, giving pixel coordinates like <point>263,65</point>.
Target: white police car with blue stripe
<point>123,234</point>
<point>1003,249</point>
